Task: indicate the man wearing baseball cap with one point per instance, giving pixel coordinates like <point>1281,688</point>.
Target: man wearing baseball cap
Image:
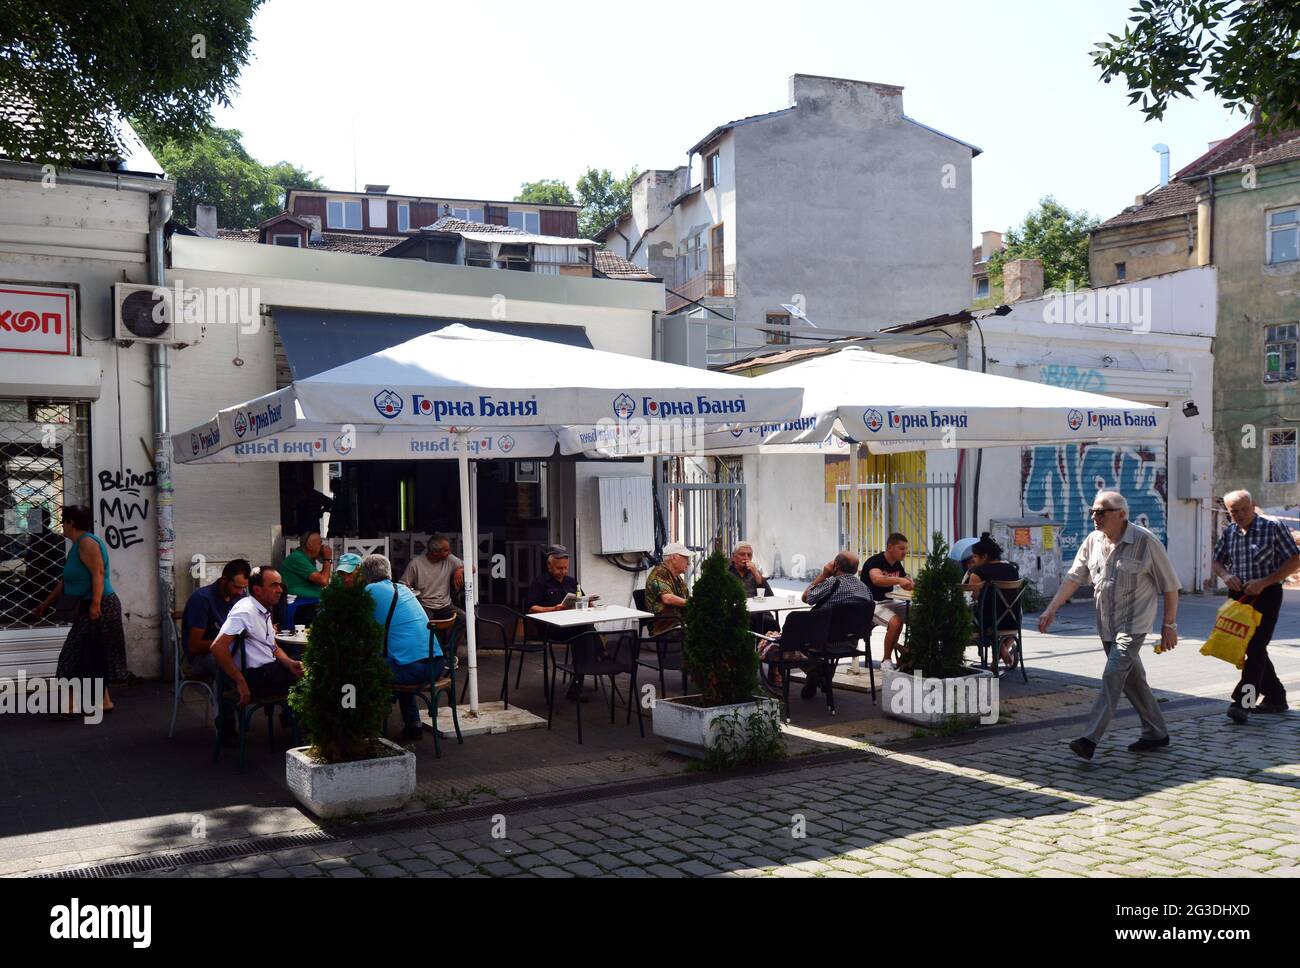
<point>347,567</point>
<point>665,587</point>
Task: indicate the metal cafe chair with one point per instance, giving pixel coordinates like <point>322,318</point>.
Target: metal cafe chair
<point>998,616</point>
<point>583,658</point>
<point>242,716</point>
<point>180,681</point>
<point>428,692</point>
<point>804,632</point>
<point>667,656</point>
<point>849,635</point>
<point>498,627</point>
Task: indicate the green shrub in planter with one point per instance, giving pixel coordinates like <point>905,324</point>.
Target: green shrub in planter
<point>718,650</point>
<point>939,620</point>
<point>344,697</point>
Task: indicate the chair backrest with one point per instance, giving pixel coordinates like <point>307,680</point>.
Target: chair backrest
<point>851,621</point>
<point>491,634</point>
<point>440,627</point>
<point>502,615</point>
<point>583,648</point>
<point>806,629</point>
<point>638,599</point>
<point>1007,603</point>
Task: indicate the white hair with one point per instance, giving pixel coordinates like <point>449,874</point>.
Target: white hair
<point>744,544</point>
<point>1111,499</point>
<point>1242,495</point>
<point>377,568</point>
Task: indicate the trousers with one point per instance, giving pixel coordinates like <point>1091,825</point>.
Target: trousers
<point>1125,675</point>
<point>1258,673</point>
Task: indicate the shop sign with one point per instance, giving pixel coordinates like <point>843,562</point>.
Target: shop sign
<point>34,319</point>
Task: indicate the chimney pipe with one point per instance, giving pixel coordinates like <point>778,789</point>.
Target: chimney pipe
<point>1163,151</point>
<point>205,221</point>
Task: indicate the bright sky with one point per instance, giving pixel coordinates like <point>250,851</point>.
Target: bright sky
<point>470,99</point>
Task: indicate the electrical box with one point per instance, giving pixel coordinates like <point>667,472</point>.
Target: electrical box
<point>626,515</point>
<point>1191,478</point>
<point>1032,544</point>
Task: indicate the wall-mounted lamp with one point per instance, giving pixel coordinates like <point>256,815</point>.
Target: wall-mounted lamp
<point>1190,410</point>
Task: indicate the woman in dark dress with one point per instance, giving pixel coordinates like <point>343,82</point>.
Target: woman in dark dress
<point>987,566</point>
<point>96,644</point>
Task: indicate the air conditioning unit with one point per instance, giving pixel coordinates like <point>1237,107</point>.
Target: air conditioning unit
<point>147,314</point>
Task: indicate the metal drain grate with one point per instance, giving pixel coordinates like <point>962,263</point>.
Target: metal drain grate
<point>187,858</point>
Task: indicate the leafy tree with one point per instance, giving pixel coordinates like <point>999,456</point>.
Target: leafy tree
<point>74,68</point>
<point>213,168</point>
<point>602,197</point>
<point>938,620</point>
<point>717,650</point>
<point>346,694</point>
<point>1057,236</point>
<point>547,191</point>
<point>1244,51</point>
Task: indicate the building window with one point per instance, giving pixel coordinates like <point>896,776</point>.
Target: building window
<point>776,321</point>
<point>403,217</point>
<point>1121,271</point>
<point>981,288</point>
<point>530,222</point>
<point>294,241</point>
<point>1284,236</point>
<point>1280,457</point>
<point>468,214</point>
<point>1280,344</point>
<point>343,213</point>
<point>713,169</point>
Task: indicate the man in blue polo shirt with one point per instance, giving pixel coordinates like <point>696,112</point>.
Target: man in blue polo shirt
<point>206,612</point>
<point>407,635</point>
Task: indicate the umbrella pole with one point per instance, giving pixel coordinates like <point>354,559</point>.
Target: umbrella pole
<point>854,668</point>
<point>469,545</point>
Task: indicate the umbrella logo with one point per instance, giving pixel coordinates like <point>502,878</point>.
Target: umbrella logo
<point>737,431</point>
<point>1075,419</point>
<point>624,406</point>
<point>241,424</point>
<point>388,403</point>
<point>506,444</point>
<point>873,420</point>
<point>341,445</point>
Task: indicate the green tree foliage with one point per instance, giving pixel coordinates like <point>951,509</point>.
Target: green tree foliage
<point>718,651</point>
<point>1057,236</point>
<point>74,68</point>
<point>346,693</point>
<point>213,168</point>
<point>602,197</point>
<point>547,191</point>
<point>939,620</point>
<point>1244,51</point>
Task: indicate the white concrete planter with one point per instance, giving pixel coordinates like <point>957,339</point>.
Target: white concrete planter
<point>939,702</point>
<point>692,730</point>
<point>361,786</point>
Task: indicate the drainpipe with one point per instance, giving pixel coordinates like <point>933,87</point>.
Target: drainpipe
<point>160,211</point>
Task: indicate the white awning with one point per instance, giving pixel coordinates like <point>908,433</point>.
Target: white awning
<point>523,238</point>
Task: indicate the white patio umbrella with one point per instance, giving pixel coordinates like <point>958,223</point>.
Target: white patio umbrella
<point>466,383</point>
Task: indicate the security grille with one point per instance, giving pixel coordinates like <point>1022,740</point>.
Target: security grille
<point>44,450</point>
<point>706,505</point>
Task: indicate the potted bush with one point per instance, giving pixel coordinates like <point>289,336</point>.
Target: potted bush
<point>341,703</point>
<point>932,684</point>
<point>729,722</point>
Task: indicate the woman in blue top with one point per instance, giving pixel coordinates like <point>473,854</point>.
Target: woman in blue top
<point>96,645</point>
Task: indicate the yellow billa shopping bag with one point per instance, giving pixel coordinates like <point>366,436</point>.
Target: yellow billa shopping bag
<point>1233,628</point>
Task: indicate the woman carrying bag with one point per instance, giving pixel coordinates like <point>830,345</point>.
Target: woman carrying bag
<point>96,645</point>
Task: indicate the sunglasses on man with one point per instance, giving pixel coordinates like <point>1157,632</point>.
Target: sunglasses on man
<point>1100,512</point>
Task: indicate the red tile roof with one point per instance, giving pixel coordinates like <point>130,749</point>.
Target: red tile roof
<point>329,241</point>
<point>616,267</point>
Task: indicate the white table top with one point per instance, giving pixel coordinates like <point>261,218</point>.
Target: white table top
<point>777,603</point>
<point>596,615</point>
<point>290,638</point>
<point>895,597</point>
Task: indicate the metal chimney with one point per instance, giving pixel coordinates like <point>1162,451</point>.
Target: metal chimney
<point>1163,151</point>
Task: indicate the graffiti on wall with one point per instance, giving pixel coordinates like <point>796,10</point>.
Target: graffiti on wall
<point>1072,377</point>
<point>1060,482</point>
<point>123,510</point>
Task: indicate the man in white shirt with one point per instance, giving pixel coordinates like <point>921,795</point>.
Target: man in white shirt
<point>267,670</point>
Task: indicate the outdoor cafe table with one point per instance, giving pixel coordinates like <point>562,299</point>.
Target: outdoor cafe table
<point>292,642</point>
<point>777,603</point>
<point>593,615</point>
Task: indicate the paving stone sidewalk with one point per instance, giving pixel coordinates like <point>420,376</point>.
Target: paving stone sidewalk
<point>1222,801</point>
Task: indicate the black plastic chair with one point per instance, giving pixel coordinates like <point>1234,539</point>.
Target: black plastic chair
<point>849,635</point>
<point>804,632</point>
<point>638,600</point>
<point>498,628</point>
<point>999,615</point>
<point>583,658</point>
<point>428,692</point>
<point>667,647</point>
<point>242,716</point>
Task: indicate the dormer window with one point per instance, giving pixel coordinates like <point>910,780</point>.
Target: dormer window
<point>294,240</point>
<point>343,213</point>
<point>403,217</point>
<point>468,214</point>
<point>529,222</point>
<point>713,169</point>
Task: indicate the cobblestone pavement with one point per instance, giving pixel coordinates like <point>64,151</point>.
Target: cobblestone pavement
<point>1222,801</point>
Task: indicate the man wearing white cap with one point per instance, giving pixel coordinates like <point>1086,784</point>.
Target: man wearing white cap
<point>665,587</point>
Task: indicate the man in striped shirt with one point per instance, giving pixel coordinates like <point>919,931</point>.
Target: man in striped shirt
<point>1129,570</point>
<point>1254,556</point>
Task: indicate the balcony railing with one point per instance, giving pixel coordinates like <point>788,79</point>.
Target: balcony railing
<point>702,286</point>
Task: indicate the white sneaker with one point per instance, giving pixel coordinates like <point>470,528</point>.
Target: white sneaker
<point>887,664</point>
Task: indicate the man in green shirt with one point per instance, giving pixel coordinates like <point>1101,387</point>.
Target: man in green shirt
<point>665,587</point>
<point>303,577</point>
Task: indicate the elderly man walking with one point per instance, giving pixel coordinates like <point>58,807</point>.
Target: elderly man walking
<point>1254,556</point>
<point>1128,569</point>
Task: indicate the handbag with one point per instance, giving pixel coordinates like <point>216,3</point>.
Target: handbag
<point>1233,628</point>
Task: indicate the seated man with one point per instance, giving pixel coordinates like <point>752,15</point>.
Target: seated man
<point>837,584</point>
<point>267,670</point>
<point>546,593</point>
<point>433,574</point>
<point>883,573</point>
<point>407,635</point>
<point>304,577</point>
<point>665,588</point>
<point>743,568</point>
<point>206,612</point>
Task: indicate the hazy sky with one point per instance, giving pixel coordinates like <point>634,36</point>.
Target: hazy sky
<point>469,99</point>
